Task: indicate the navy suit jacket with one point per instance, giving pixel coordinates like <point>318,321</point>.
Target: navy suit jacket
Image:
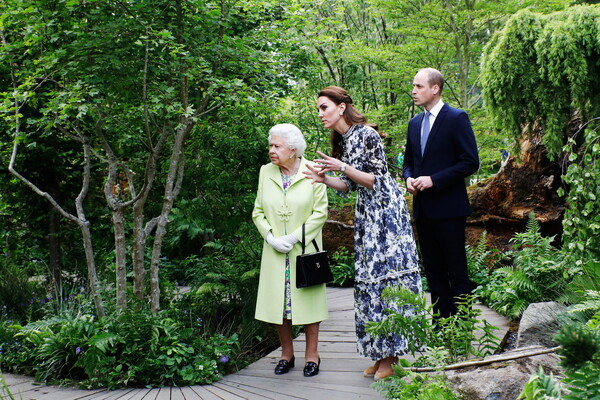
<point>450,157</point>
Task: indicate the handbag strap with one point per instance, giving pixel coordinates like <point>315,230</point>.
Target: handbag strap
<point>314,242</point>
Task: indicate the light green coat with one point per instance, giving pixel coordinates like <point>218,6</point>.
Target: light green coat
<point>284,213</point>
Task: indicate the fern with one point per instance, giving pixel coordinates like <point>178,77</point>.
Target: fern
<point>592,304</point>
<point>540,386</point>
<point>480,260</point>
<point>537,274</point>
<point>579,344</point>
<point>423,328</point>
<point>583,383</point>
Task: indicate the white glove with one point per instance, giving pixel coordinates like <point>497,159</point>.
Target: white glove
<point>279,244</point>
<point>291,239</point>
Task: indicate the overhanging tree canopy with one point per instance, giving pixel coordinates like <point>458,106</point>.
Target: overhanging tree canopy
<point>129,81</point>
<point>542,71</point>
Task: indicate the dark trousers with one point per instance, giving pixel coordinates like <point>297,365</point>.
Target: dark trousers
<point>442,243</point>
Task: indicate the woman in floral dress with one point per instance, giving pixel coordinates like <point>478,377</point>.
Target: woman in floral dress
<point>385,250</point>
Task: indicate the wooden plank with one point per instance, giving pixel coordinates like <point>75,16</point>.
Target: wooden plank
<point>304,388</point>
<point>60,393</point>
<point>262,392</point>
<point>163,393</point>
<point>204,393</point>
<point>222,394</point>
<point>236,390</point>
<point>142,394</point>
<point>118,394</point>
<point>176,394</point>
<point>189,394</point>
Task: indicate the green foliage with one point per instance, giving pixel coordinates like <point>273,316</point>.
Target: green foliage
<point>138,90</point>
<point>19,295</point>
<point>541,70</point>
<point>580,344</point>
<point>537,274</point>
<point>415,386</point>
<point>447,340</point>
<point>342,267</point>
<point>585,279</point>
<point>583,383</point>
<point>581,224</point>
<point>580,358</point>
<point>540,386</point>
<point>132,349</point>
<point>481,261</point>
<point>228,272</point>
<point>16,355</point>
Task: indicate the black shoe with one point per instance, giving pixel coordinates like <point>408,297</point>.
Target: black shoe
<point>283,366</point>
<point>312,368</point>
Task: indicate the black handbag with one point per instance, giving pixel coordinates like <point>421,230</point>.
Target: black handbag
<point>312,269</point>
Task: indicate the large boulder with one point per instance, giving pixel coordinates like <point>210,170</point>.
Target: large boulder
<point>539,324</point>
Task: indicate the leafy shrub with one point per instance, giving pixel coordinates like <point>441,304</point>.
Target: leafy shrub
<point>481,261</point>
<point>447,340</point>
<point>537,274</point>
<point>342,268</point>
<point>222,296</point>
<point>16,355</point>
<point>139,349</point>
<point>452,338</point>
<point>131,349</point>
<point>18,293</point>
<point>415,386</point>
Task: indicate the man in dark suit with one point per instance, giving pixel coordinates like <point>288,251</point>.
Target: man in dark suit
<point>440,154</point>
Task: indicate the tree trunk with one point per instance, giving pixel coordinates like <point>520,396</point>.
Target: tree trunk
<point>172,187</point>
<point>137,252</point>
<point>502,203</point>
<point>120,258</point>
<point>54,249</point>
<point>91,266</point>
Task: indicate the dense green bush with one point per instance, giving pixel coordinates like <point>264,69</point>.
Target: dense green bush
<point>129,349</point>
<point>536,273</point>
<point>20,295</point>
<point>441,341</point>
<point>451,338</point>
<point>342,266</point>
<point>222,292</point>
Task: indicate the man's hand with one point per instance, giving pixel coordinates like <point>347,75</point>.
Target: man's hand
<point>410,187</point>
<point>416,185</point>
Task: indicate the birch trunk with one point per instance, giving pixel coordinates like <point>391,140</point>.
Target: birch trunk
<point>120,257</point>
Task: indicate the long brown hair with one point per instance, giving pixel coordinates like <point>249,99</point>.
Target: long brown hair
<point>351,116</point>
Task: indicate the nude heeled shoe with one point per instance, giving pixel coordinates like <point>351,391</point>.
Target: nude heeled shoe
<point>382,375</point>
<point>372,370</point>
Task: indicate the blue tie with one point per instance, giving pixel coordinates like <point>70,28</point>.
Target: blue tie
<point>425,134</point>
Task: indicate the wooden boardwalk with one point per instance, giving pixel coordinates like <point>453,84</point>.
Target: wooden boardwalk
<point>340,377</point>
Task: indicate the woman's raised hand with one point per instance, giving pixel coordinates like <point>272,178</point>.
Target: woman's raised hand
<point>316,174</point>
<point>327,163</point>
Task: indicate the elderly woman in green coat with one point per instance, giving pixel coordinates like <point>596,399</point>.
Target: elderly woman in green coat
<point>285,200</point>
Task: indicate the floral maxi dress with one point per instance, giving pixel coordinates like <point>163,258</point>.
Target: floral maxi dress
<point>385,249</point>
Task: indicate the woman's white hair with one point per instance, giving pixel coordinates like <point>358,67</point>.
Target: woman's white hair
<point>292,135</point>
